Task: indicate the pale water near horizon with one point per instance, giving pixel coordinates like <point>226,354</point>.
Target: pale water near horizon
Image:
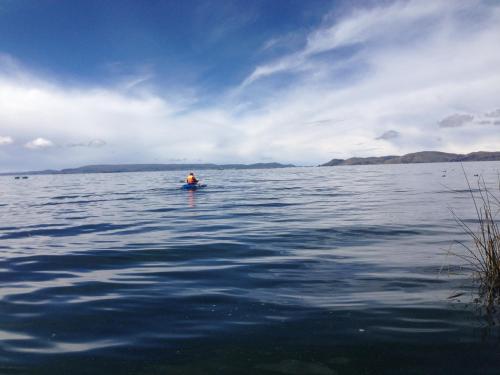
<point>335,270</point>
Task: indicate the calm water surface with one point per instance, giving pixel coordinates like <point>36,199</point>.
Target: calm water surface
<point>293,271</point>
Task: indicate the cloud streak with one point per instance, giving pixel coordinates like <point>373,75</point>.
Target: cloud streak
<point>360,27</point>
<point>91,143</point>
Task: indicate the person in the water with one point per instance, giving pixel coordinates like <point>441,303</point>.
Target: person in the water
<point>191,179</point>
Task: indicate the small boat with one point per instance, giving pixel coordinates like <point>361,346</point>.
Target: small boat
<point>193,186</point>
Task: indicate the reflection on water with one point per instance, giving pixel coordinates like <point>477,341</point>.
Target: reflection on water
<point>301,270</point>
<point>191,194</point>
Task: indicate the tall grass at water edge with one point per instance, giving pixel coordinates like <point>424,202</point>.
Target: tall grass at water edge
<point>482,253</point>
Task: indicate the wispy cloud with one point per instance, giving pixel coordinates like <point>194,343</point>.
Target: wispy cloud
<point>91,143</point>
<point>379,25</point>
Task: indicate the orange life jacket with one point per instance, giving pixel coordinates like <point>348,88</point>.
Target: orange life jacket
<point>191,180</point>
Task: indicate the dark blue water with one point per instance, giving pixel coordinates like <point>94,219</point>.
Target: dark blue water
<point>297,271</point>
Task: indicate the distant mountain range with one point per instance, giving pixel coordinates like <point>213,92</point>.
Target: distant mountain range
<point>417,157</point>
<point>122,168</point>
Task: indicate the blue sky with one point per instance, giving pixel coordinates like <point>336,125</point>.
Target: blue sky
<point>244,81</point>
<point>211,45</point>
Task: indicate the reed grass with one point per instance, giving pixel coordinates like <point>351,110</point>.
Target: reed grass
<point>482,254</point>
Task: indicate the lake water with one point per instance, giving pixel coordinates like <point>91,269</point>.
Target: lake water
<point>287,271</point>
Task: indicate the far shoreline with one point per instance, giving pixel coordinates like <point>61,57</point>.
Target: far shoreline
<point>58,173</point>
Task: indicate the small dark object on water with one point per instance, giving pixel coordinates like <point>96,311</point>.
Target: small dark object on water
<point>476,175</point>
<point>17,177</point>
<point>25,177</point>
<point>456,295</point>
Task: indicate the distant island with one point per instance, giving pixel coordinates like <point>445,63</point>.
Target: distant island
<point>417,157</point>
<point>124,168</point>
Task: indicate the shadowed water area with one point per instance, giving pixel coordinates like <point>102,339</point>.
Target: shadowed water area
<point>291,271</point>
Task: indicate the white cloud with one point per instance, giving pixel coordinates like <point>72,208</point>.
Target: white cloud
<point>39,143</point>
<point>6,140</point>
